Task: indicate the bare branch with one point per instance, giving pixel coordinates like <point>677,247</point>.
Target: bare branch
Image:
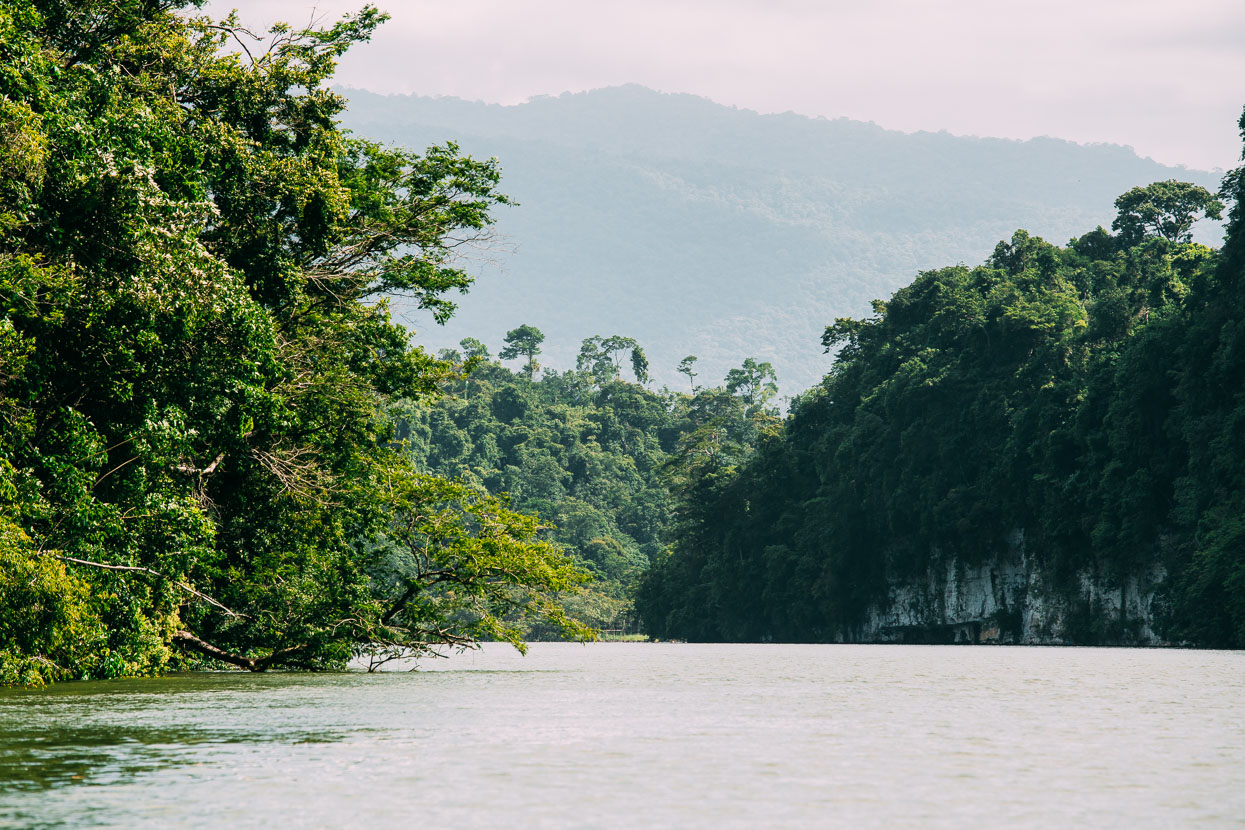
<point>113,470</point>
<point>233,31</point>
<point>203,473</point>
<point>249,663</point>
<point>151,572</point>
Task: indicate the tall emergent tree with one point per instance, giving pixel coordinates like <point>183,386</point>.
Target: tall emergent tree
<point>687,368</point>
<point>602,357</point>
<point>195,362</point>
<point>755,382</point>
<point>524,342</point>
<point>1168,209</point>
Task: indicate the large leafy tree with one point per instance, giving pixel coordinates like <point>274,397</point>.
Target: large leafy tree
<point>755,382</point>
<point>195,357</point>
<point>602,357</point>
<point>1167,209</point>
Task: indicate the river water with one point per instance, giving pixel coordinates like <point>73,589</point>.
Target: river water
<point>648,735</point>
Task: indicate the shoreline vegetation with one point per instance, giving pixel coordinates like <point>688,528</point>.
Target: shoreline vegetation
<point>217,447</point>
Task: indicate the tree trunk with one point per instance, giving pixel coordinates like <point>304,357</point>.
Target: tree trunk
<point>255,664</point>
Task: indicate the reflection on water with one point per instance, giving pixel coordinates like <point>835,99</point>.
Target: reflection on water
<point>625,735</point>
<point>112,731</point>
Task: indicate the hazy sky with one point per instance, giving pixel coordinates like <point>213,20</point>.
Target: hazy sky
<point>1165,77</point>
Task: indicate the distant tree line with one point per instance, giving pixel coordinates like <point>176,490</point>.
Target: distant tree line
<point>592,452</point>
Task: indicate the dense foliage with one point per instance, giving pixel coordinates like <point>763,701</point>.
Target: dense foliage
<point>194,455</point>
<point>591,453</point>
<point>215,443</point>
<point>1087,396</point>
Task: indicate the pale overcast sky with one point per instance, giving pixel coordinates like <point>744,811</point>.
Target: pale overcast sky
<point>1166,77</point>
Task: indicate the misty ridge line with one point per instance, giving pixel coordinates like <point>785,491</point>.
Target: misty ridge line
<point>452,108</point>
<point>703,229</point>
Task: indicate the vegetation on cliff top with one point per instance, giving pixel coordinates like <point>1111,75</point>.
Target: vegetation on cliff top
<point>1088,395</point>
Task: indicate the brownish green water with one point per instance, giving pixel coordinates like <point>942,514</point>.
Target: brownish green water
<point>643,735</point>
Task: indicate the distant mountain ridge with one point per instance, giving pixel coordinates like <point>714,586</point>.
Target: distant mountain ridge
<point>704,229</point>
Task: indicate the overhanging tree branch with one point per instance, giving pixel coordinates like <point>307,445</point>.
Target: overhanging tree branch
<point>152,572</point>
<point>254,664</point>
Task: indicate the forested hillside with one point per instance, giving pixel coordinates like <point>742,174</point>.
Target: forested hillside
<point>708,230</point>
<point>592,451</point>
<point>1085,399</point>
<point>217,445</point>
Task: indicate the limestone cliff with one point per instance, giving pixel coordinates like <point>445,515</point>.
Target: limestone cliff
<point>1012,599</point>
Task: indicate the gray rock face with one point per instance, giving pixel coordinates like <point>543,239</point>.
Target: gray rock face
<point>1012,600</point>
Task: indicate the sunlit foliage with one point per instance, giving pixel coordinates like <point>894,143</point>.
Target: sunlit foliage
<point>195,357</point>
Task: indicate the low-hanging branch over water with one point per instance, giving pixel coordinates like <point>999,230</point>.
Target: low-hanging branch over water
<point>196,360</point>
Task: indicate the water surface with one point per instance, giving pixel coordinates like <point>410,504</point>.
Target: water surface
<point>655,735</point>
